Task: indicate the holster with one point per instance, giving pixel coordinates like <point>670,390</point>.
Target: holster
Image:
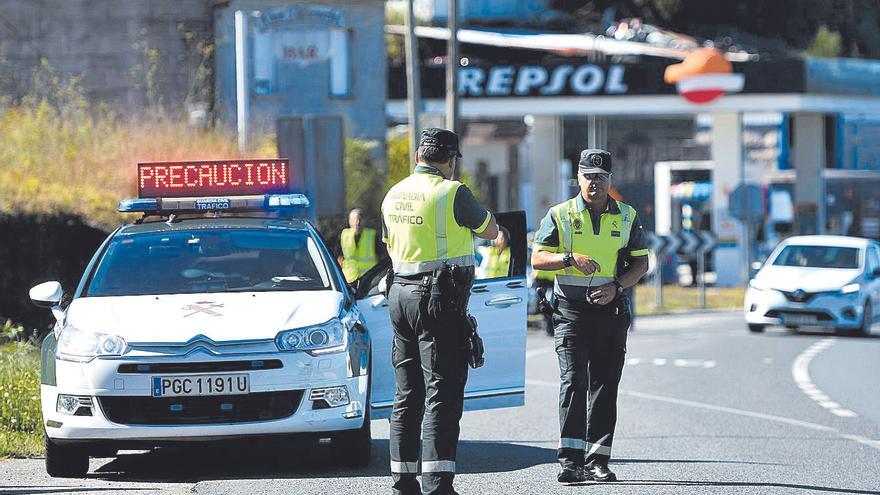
<point>474,344</point>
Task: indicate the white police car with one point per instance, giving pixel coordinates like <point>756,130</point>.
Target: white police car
<point>236,324</point>
<point>817,281</point>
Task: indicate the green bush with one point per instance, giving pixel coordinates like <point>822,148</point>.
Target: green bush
<point>21,422</point>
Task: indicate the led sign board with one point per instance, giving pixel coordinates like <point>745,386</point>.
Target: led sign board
<point>213,178</point>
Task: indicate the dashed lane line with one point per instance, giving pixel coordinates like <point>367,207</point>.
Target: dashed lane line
<point>731,410</point>
<point>800,371</point>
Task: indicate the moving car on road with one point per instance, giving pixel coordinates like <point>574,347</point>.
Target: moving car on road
<point>237,324</point>
<point>817,281</point>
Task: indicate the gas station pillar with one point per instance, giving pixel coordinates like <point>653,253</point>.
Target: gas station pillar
<point>546,159</point>
<point>809,162</point>
<point>730,255</point>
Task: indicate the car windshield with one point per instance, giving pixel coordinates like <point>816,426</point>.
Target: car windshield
<point>228,260</point>
<point>818,257</point>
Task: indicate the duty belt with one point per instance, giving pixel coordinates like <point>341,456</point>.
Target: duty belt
<point>417,267</point>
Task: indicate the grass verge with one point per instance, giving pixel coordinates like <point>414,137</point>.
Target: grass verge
<point>677,298</point>
<point>21,423</point>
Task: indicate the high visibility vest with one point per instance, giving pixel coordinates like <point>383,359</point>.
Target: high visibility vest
<point>422,234</point>
<point>499,262</point>
<point>357,258</point>
<point>576,235</point>
<point>548,275</point>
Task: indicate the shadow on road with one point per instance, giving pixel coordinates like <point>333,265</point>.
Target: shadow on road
<point>199,463</point>
<point>744,484</point>
<point>40,490</point>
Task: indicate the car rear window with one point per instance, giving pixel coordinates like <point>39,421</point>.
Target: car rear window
<point>227,260</point>
<point>818,257</point>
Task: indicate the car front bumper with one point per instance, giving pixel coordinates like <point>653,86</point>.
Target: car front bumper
<point>300,374</point>
<point>826,309</point>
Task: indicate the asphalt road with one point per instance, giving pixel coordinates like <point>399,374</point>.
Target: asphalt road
<point>705,407</point>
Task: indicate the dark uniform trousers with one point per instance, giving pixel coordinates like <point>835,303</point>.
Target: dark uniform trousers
<point>430,368</point>
<point>591,346</point>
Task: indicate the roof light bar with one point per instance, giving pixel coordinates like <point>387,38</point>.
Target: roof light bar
<point>268,202</point>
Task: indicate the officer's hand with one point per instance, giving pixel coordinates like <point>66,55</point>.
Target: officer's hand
<point>586,265</point>
<point>603,294</point>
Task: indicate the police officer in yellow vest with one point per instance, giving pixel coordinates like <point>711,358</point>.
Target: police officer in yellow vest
<point>597,242</point>
<point>428,223</point>
<point>498,256</point>
<point>358,247</point>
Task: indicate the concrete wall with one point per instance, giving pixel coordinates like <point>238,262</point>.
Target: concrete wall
<point>307,89</point>
<point>104,41</point>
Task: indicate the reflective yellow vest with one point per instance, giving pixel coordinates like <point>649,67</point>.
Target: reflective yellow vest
<point>499,262</point>
<point>421,230</point>
<point>576,235</point>
<point>358,257</point>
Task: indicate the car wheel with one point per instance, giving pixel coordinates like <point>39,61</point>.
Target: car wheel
<point>65,461</point>
<point>755,328</point>
<point>867,320</point>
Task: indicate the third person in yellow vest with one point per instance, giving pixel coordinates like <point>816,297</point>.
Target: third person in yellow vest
<point>497,256</point>
<point>360,247</point>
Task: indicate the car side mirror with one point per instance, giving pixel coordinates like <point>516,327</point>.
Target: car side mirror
<point>46,295</point>
<point>756,265</point>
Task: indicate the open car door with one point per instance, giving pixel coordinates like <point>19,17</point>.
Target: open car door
<point>498,304</point>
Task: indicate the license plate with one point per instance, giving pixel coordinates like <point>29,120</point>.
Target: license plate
<point>177,386</point>
<point>799,319</point>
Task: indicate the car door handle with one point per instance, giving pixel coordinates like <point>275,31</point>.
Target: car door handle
<point>503,301</point>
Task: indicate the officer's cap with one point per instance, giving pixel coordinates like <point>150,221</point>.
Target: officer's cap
<point>594,161</point>
<point>440,138</point>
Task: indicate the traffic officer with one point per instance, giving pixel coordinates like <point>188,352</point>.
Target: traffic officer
<point>358,247</point>
<point>498,256</point>
<point>428,221</point>
<point>597,242</point>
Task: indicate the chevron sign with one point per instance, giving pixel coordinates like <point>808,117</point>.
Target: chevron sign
<point>683,242</point>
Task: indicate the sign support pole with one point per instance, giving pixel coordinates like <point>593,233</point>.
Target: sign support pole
<point>413,84</point>
<point>241,79</point>
<point>452,63</point>
<point>701,273</point>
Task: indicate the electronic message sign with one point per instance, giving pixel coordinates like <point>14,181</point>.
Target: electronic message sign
<point>213,178</point>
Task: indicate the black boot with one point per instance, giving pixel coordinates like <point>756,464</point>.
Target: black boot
<point>571,475</point>
<point>599,472</point>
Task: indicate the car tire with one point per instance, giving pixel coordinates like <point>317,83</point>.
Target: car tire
<point>65,461</point>
<point>756,328</point>
<point>867,319</point>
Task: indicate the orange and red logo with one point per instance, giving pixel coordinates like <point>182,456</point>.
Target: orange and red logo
<point>704,76</point>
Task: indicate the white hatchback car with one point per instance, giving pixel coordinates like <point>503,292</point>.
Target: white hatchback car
<point>238,326</point>
<point>817,281</point>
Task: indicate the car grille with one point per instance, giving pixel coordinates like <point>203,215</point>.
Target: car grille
<point>141,410</point>
<point>799,296</point>
<point>203,367</point>
<point>820,315</point>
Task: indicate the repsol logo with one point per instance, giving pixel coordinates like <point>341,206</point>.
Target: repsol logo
<point>586,79</point>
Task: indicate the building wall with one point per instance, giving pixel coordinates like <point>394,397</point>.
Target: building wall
<point>306,90</point>
<point>108,44</point>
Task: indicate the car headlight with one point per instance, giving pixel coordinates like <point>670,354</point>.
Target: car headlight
<point>77,345</point>
<point>330,336</point>
<point>849,289</point>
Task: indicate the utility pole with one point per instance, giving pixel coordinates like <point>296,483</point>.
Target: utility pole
<point>413,85</point>
<point>452,69</point>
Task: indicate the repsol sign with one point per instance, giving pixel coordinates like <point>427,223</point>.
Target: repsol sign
<point>534,80</point>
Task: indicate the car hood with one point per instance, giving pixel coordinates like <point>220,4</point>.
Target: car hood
<point>221,317</point>
<point>792,278</point>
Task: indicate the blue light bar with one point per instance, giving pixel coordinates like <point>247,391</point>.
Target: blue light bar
<point>138,205</point>
<point>277,201</point>
<point>268,202</point>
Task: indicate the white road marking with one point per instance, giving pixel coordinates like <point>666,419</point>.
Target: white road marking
<point>730,410</point>
<point>768,361</point>
<point>800,371</point>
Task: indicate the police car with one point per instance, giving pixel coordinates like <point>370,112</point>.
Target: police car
<point>221,315</point>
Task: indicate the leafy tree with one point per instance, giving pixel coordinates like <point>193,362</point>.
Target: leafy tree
<point>826,43</point>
